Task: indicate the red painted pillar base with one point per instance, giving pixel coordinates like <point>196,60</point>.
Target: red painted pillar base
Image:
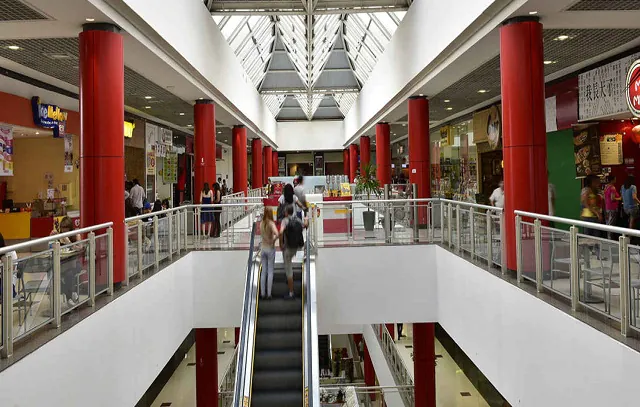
<point>383,153</point>
<point>392,331</point>
<point>237,336</point>
<point>274,164</point>
<point>206,367</point>
<point>353,162</point>
<point>239,156</point>
<point>419,169</point>
<point>365,152</point>
<point>102,140</point>
<point>424,364</point>
<point>256,163</point>
<point>204,143</point>
<point>346,169</point>
<point>369,372</point>
<point>268,162</point>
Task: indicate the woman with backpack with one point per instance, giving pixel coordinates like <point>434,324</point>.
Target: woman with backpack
<point>269,233</point>
<point>288,198</point>
<point>291,240</point>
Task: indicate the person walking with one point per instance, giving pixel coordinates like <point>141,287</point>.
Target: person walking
<point>497,197</point>
<point>291,240</point>
<point>217,199</point>
<point>611,203</point>
<point>137,196</point>
<point>591,210</point>
<point>269,233</point>
<point>300,193</point>
<point>630,200</point>
<point>206,216</point>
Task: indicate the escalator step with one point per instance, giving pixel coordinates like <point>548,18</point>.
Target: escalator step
<point>280,287</point>
<point>279,306</point>
<point>277,380</point>
<point>291,340</point>
<point>279,323</point>
<point>277,398</point>
<point>277,359</point>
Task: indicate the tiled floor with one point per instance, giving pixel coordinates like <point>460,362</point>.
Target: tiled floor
<point>180,390</point>
<point>451,382</point>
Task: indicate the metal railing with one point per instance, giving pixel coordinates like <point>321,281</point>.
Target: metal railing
<point>225,391</point>
<point>50,283</point>
<point>360,395</point>
<point>234,233</point>
<point>256,193</point>
<point>310,329</point>
<point>401,375</point>
<point>595,266</point>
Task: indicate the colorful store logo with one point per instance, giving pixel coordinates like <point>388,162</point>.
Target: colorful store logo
<point>49,117</point>
<point>128,129</point>
<point>633,88</point>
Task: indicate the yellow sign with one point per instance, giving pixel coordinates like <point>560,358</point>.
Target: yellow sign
<point>445,136</point>
<point>345,189</point>
<point>128,129</point>
<point>54,113</point>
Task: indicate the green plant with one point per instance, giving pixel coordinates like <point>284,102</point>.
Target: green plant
<point>367,183</point>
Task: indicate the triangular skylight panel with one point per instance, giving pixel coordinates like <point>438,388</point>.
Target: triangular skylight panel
<point>293,32</point>
<point>325,31</point>
<point>274,102</point>
<point>309,104</point>
<point>345,101</point>
<point>366,36</point>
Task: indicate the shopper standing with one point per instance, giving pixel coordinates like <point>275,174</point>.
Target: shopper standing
<point>630,200</point>
<point>611,203</point>
<point>591,210</point>
<point>206,216</point>
<point>137,196</point>
<point>291,240</point>
<point>300,193</point>
<point>217,199</point>
<point>497,197</point>
<point>269,233</point>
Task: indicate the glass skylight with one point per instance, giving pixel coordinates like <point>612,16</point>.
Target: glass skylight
<point>310,104</point>
<point>345,101</point>
<point>274,102</point>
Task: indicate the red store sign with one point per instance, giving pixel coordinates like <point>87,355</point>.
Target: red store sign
<point>633,88</point>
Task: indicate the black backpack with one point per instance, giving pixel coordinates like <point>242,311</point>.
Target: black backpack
<point>293,237</point>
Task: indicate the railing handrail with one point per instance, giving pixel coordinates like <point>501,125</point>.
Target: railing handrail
<point>311,357</point>
<point>470,204</point>
<point>605,228</point>
<point>152,214</point>
<point>372,201</point>
<point>52,238</point>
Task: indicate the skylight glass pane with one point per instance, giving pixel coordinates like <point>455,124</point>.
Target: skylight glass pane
<point>387,22</point>
<point>217,19</point>
<point>231,25</point>
<point>242,34</point>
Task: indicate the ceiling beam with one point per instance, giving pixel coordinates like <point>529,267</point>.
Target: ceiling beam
<point>294,71</point>
<point>245,11</point>
<point>301,91</point>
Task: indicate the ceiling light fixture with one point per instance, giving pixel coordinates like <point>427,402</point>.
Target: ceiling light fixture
<point>548,62</point>
<point>447,101</point>
<point>13,47</point>
<point>147,107</point>
<point>483,91</point>
<point>181,113</point>
<point>562,37</point>
<point>189,125</point>
<point>449,108</point>
<point>533,13</point>
<point>89,19</point>
<point>37,132</point>
<point>148,97</point>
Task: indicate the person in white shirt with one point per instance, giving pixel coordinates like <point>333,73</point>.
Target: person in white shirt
<point>137,196</point>
<point>497,197</point>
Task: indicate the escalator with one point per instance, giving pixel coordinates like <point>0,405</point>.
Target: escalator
<point>278,349</point>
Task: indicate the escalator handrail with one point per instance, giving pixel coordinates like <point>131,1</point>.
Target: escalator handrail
<point>311,352</point>
<point>242,386</point>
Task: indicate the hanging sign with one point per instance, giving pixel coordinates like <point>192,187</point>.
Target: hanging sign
<point>151,135</point>
<point>445,136</point>
<point>494,127</point>
<point>166,137</point>
<point>611,149</point>
<point>6,151</point>
<point>170,168</point>
<point>68,153</point>
<point>49,117</point>
<point>151,161</point>
<point>633,88</point>
<point>128,129</point>
<point>586,148</point>
<point>161,150</point>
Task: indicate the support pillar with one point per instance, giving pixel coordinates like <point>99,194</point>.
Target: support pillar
<point>237,336</point>
<point>204,143</point>
<point>365,152</point>
<point>345,162</point>
<point>392,330</point>
<point>353,162</point>
<point>206,367</point>
<point>102,138</point>
<point>523,123</point>
<point>239,157</point>
<point>383,153</point>
<point>424,364</point>
<point>369,372</point>
<point>268,162</point>
<point>274,164</point>
<point>256,163</point>
<point>419,171</point>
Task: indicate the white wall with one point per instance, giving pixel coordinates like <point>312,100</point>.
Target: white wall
<point>310,136</point>
<point>365,285</point>
<point>419,40</point>
<point>195,37</point>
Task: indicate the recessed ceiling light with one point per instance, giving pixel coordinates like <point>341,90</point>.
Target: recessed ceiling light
<point>189,125</point>
<point>449,108</point>
<point>533,13</point>
<point>147,107</point>
<point>447,101</point>
<point>404,124</point>
<point>421,95</point>
<point>13,47</point>
<point>37,132</point>
<point>89,19</point>
<point>181,113</point>
<point>548,62</point>
<point>483,91</point>
<point>562,37</point>
<point>148,97</point>
<point>219,132</point>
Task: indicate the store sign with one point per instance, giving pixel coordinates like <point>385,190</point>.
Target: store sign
<point>494,127</point>
<point>166,137</point>
<point>128,129</point>
<point>487,128</point>
<point>633,88</point>
<point>6,151</point>
<point>602,91</point>
<point>49,117</point>
<point>151,136</point>
<point>446,138</point>
<point>611,149</point>
<point>586,148</point>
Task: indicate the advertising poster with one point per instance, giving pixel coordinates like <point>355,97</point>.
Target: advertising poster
<point>611,149</point>
<point>170,168</point>
<point>151,161</point>
<point>151,135</point>
<point>6,151</point>
<point>319,165</point>
<point>68,153</point>
<point>586,148</point>
<point>166,137</point>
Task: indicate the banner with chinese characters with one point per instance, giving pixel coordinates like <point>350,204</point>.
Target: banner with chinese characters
<point>611,149</point>
<point>6,151</point>
<point>170,168</point>
<point>602,91</point>
<point>68,153</point>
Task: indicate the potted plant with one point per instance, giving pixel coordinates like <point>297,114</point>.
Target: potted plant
<point>367,184</point>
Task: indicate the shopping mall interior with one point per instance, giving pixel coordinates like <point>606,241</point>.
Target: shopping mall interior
<point>236,203</point>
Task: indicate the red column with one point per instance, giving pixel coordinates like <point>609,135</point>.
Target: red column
<point>239,156</point>
<point>102,137</point>
<point>383,153</point>
<point>345,162</point>
<point>369,372</point>
<point>365,152</point>
<point>523,123</point>
<point>256,163</point>
<point>206,367</point>
<point>392,331</point>
<point>237,336</point>
<point>419,173</point>
<point>204,144</point>
<point>268,162</point>
<point>274,164</point>
<point>353,162</point>
<point>424,365</point>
